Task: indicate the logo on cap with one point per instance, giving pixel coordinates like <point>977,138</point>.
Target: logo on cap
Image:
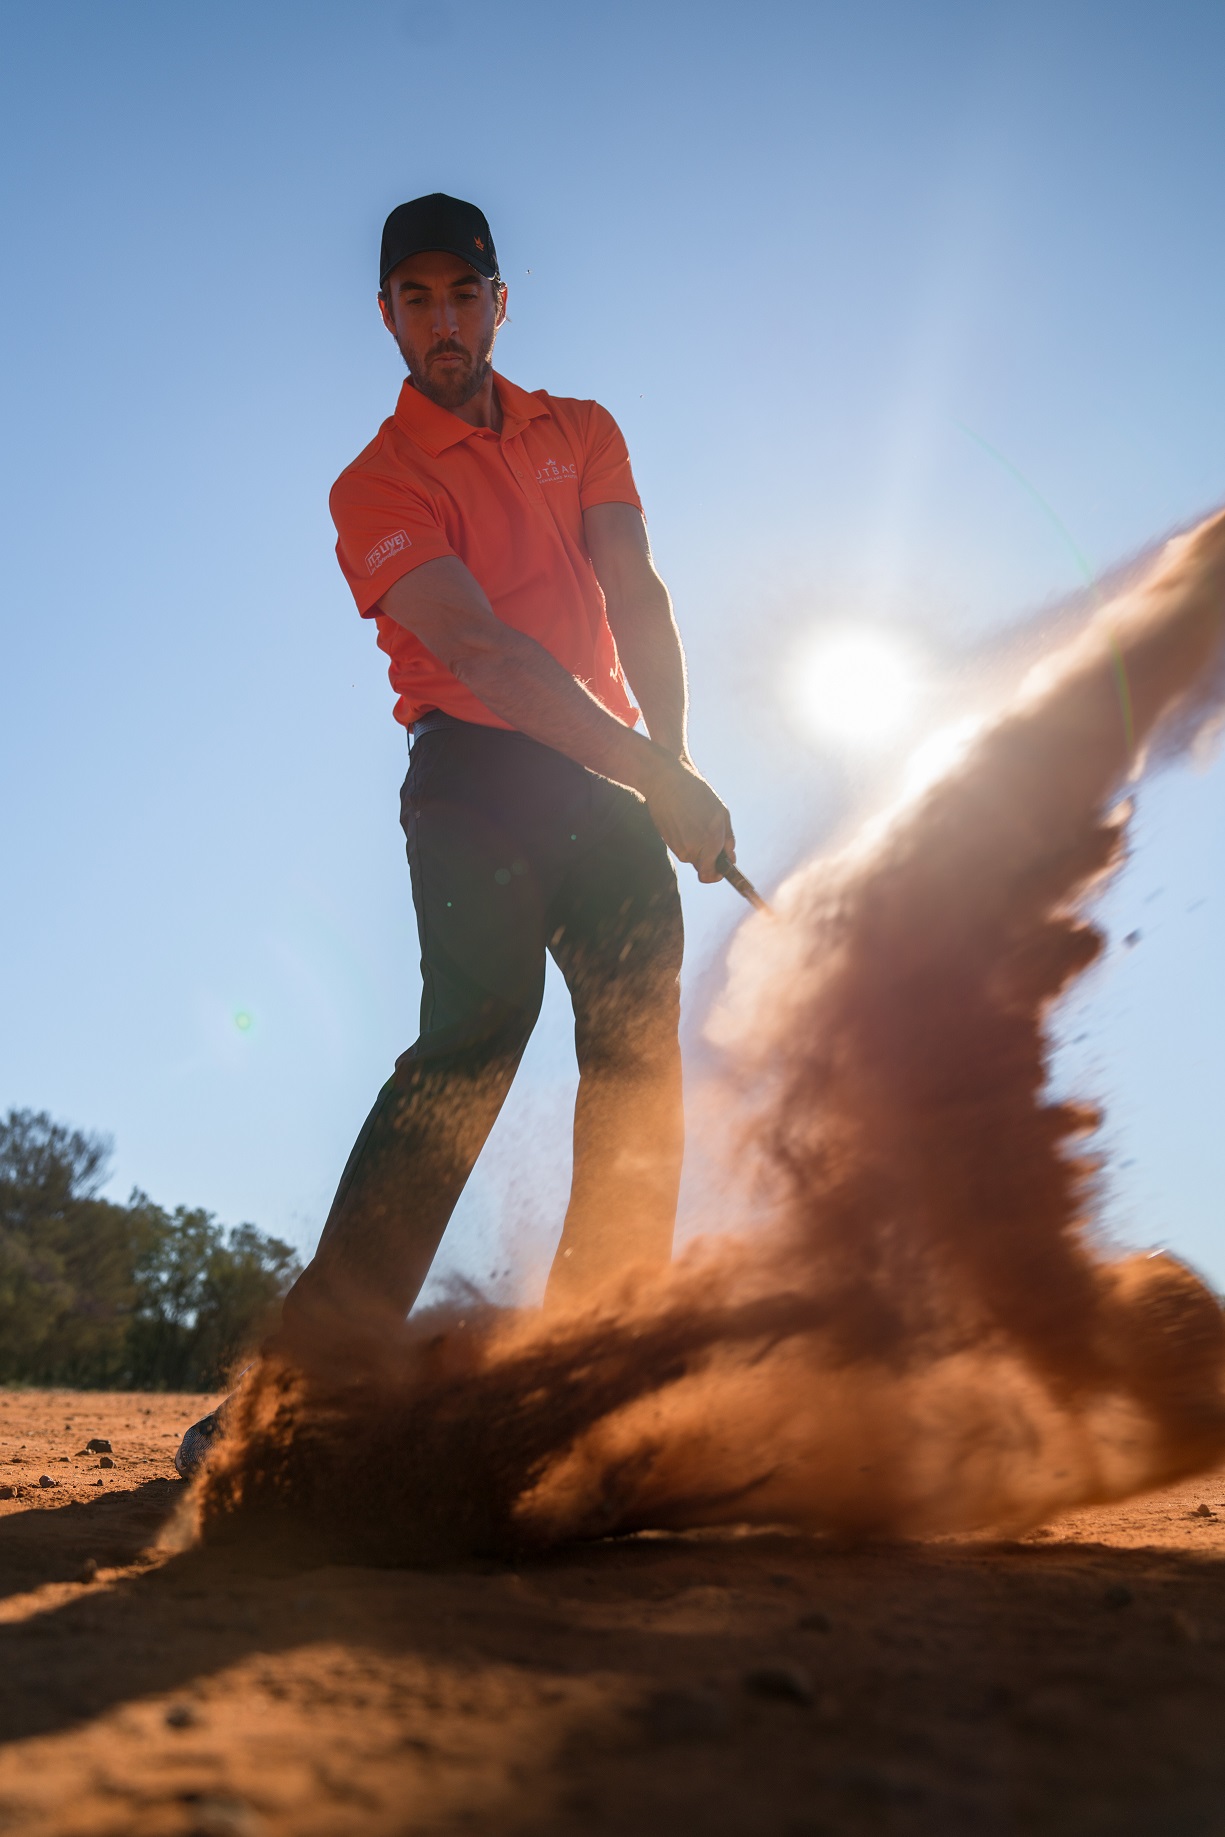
<point>480,245</point>
<point>384,550</point>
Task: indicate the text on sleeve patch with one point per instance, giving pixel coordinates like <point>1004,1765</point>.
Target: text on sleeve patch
<point>384,550</point>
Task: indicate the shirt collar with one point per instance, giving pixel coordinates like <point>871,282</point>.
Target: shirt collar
<point>436,428</point>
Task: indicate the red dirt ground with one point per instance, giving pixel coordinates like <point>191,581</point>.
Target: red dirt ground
<point>715,1685</point>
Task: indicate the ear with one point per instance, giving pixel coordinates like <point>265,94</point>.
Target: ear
<point>500,315</point>
<point>385,309</point>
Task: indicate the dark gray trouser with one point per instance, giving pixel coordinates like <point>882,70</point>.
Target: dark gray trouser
<point>515,850</point>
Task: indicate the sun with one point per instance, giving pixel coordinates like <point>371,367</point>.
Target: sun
<point>857,688</point>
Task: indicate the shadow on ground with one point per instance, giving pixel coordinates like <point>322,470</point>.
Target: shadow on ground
<point>718,1684</point>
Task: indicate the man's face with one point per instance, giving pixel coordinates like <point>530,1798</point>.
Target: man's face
<point>444,316</point>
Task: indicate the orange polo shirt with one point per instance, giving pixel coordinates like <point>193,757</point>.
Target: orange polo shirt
<point>510,505</point>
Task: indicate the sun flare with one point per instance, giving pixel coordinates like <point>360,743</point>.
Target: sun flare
<point>857,688</point>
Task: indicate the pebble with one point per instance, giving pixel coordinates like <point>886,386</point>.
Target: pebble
<point>89,1569</point>
<point>181,1716</point>
<point>8,1492</point>
<point>106,1461</point>
<point>216,1817</point>
<point>1203,1511</point>
<point>98,1444</point>
<point>698,1714</point>
<point>44,1479</point>
<point>783,1682</point>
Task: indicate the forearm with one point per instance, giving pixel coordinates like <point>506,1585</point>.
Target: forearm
<point>649,646</point>
<point>519,680</point>
<point>444,606</point>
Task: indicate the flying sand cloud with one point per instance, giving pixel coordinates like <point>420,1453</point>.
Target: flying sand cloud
<point>924,1336</point>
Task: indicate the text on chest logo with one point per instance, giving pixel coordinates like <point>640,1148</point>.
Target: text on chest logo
<point>550,472</point>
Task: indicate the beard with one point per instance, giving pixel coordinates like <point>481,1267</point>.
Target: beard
<point>448,388</point>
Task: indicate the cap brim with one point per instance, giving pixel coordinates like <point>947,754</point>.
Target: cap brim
<point>488,269</point>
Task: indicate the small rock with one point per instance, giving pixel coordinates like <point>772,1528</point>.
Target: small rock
<point>815,1621</point>
<point>106,1461</point>
<point>1118,1595</point>
<point>44,1479</point>
<point>8,1492</point>
<point>181,1716</point>
<point>89,1570</point>
<point>217,1817</point>
<point>63,1457</point>
<point>686,1715</point>
<point>784,1683</point>
<point>98,1444</point>
<point>1203,1511</point>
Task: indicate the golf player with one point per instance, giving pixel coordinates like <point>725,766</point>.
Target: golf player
<point>496,539</point>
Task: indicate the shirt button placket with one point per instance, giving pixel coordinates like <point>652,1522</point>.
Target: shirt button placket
<point>523,474</point>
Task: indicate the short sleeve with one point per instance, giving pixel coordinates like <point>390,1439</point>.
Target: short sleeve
<point>606,476</point>
<point>385,528</point>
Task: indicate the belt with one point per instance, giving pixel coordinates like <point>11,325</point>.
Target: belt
<point>433,720</point>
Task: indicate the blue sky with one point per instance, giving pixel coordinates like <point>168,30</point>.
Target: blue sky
<point>812,256</point>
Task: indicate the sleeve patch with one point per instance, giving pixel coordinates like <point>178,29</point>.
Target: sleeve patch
<point>383,551</point>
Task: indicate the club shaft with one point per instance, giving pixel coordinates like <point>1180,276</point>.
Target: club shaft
<point>743,885</point>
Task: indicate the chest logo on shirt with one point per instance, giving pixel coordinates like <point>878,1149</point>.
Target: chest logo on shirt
<point>384,550</point>
<point>550,472</point>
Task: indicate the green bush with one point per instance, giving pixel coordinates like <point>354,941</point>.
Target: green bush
<point>98,1295</point>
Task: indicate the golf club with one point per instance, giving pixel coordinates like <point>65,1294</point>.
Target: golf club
<point>743,885</point>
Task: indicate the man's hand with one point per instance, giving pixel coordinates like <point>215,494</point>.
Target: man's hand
<point>688,815</point>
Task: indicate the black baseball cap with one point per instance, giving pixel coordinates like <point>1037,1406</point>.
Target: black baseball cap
<point>438,222</point>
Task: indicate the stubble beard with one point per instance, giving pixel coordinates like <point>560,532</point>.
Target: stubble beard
<point>450,388</point>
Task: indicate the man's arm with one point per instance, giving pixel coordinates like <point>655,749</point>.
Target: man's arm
<point>444,606</point>
<point>640,615</point>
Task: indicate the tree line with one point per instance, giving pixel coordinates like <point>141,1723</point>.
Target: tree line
<point>95,1295</point>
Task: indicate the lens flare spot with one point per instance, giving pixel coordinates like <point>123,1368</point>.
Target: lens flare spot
<point>857,688</point>
<point>244,1021</point>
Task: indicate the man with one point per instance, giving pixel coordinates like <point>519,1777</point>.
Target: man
<point>497,540</point>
